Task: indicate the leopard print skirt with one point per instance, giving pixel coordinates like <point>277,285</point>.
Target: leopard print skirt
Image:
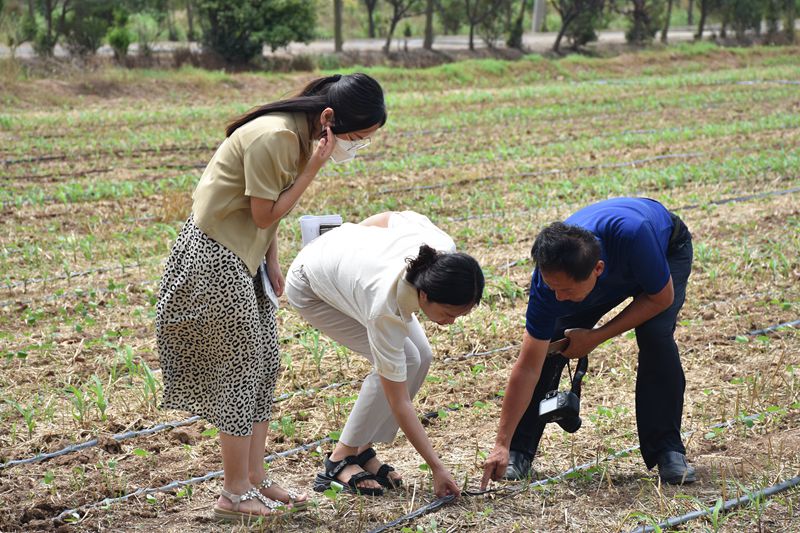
<point>216,335</point>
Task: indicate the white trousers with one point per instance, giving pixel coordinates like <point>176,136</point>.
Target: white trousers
<point>371,419</point>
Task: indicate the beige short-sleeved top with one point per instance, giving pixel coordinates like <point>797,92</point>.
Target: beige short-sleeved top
<point>360,270</point>
<point>260,159</point>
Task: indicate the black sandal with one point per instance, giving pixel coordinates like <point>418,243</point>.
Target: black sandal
<point>382,475</point>
<point>334,468</point>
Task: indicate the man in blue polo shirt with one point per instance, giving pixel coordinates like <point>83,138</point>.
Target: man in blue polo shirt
<point>585,267</point>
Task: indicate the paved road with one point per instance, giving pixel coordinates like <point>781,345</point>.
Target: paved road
<point>535,42</point>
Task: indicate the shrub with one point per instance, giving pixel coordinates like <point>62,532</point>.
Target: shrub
<point>120,38</point>
<point>237,31</point>
<point>145,28</point>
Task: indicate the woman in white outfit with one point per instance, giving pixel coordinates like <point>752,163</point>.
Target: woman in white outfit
<point>361,284</point>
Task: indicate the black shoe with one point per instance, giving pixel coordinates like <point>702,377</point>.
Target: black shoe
<point>673,469</point>
<point>519,466</point>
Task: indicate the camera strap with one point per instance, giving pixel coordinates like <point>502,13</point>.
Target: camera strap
<point>580,371</point>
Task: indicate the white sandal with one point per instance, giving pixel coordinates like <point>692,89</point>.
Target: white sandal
<point>295,502</point>
<point>235,515</point>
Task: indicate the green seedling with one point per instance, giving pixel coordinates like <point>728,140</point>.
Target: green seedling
<point>100,401</point>
<point>311,341</point>
<point>80,406</point>
<point>149,386</point>
<point>28,414</point>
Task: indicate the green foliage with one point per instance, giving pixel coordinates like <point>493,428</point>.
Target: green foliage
<point>44,42</point>
<point>451,15</point>
<point>579,18</point>
<point>28,28</point>
<point>743,14</point>
<point>645,19</point>
<point>145,28</point>
<point>85,26</point>
<point>237,31</point>
<point>120,39</point>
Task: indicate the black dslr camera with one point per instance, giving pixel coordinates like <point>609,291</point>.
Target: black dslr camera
<point>564,407</point>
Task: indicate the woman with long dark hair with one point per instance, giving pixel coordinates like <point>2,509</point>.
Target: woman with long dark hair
<point>216,332</point>
<point>361,284</point>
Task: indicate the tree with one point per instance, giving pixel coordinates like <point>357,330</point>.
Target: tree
<point>400,10</point>
<point>667,18</point>
<point>515,35</point>
<point>190,34</point>
<point>86,25</point>
<point>480,12</point>
<point>644,19</point>
<point>55,14</point>
<point>337,25</point>
<point>237,31</point>
<point>706,7</point>
<point>370,5</point>
<point>427,43</point>
<point>789,19</point>
<point>743,15</point>
<point>578,20</point>
<point>451,16</point>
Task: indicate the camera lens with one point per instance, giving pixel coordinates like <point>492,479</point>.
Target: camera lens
<point>570,424</point>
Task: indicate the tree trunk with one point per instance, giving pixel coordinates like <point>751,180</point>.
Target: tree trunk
<point>789,20</point>
<point>516,32</point>
<point>392,27</point>
<point>471,36</point>
<point>539,10</point>
<point>337,25</point>
<point>371,18</point>
<point>190,21</point>
<point>427,44</point>
<point>690,13</point>
<point>565,22</point>
<point>701,25</point>
<point>666,22</point>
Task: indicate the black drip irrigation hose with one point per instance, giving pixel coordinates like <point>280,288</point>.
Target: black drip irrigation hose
<point>307,392</point>
<point>118,153</point>
<point>119,437</point>
<point>622,164</point>
<point>211,475</point>
<point>74,513</point>
<point>725,507</point>
<point>82,273</point>
<point>439,502</point>
<point>792,324</point>
<point>744,198</point>
<point>78,292</point>
<point>687,207</point>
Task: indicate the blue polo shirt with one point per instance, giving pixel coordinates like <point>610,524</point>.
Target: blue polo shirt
<point>633,234</point>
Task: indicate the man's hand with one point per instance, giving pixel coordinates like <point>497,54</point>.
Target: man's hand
<point>581,342</point>
<point>495,466</point>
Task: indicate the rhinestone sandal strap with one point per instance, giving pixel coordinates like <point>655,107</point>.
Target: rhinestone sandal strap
<point>254,493</point>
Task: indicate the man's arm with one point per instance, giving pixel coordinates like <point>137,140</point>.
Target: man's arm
<point>640,310</point>
<point>521,384</point>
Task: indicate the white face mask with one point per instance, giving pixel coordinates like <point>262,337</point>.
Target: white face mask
<point>346,150</point>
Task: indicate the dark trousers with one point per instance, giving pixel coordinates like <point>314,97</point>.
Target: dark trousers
<point>660,382</point>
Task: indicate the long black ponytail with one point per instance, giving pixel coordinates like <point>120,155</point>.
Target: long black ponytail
<point>447,278</point>
<point>356,100</point>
